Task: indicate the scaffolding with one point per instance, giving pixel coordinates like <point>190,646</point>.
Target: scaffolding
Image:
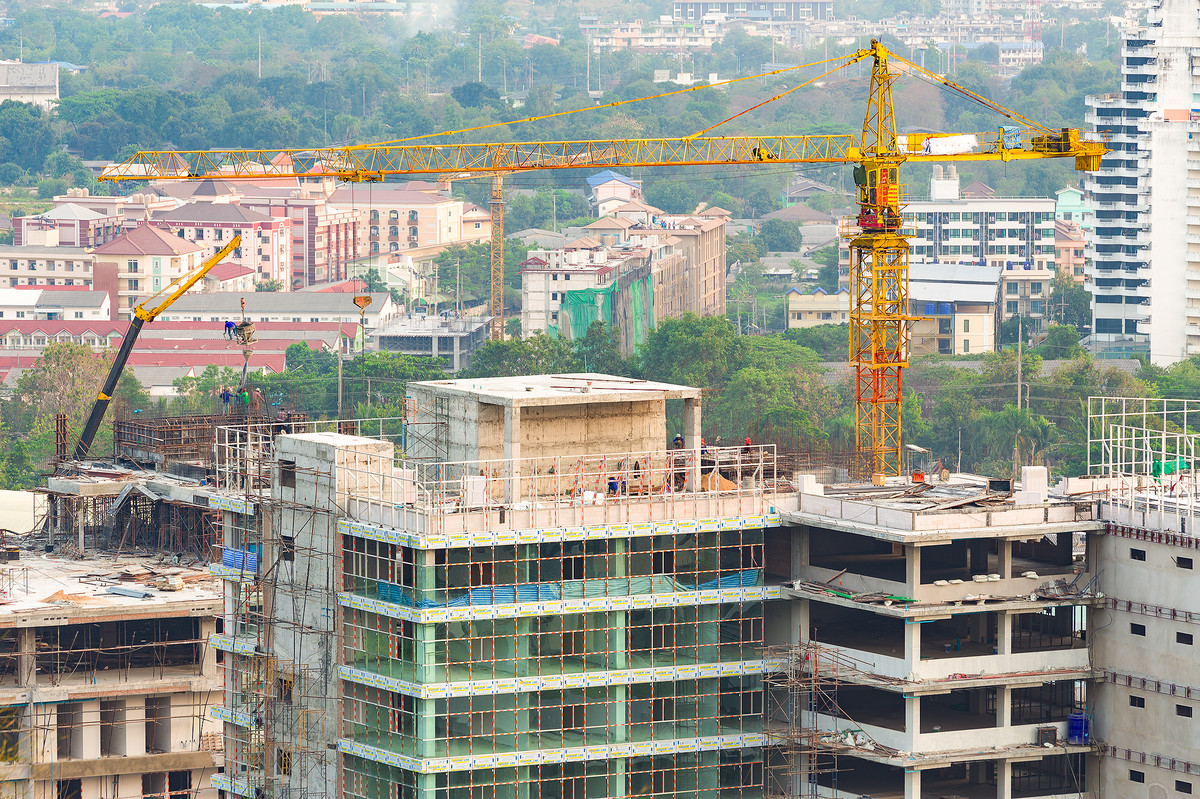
<point>806,728</point>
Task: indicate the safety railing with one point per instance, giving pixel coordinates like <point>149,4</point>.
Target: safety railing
<point>496,495</point>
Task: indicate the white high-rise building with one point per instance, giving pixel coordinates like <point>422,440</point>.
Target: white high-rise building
<point>1145,252</point>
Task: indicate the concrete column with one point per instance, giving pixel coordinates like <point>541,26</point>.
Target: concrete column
<point>912,785</point>
<point>1004,628</point>
<point>912,643</point>
<point>26,658</point>
<point>912,718</point>
<point>691,440</point>
<point>89,730</point>
<point>1004,706</point>
<point>457,361</point>
<point>803,619</point>
<point>912,569</point>
<point>512,449</point>
<point>1006,559</point>
<point>1004,779</point>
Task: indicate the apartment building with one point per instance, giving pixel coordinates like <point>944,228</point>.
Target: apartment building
<point>38,304</point>
<point>325,238</point>
<point>67,225</point>
<point>955,308</point>
<point>631,270</point>
<point>1147,239</point>
<point>775,11</point>
<point>973,226</point>
<point>662,35</point>
<point>106,676</point>
<point>817,307</point>
<point>54,266</point>
<point>266,246</point>
<point>404,219</point>
<point>1070,250</point>
<point>146,259</point>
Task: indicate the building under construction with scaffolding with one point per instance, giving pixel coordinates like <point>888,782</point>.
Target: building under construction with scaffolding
<point>516,591</point>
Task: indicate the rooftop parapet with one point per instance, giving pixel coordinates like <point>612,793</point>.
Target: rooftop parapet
<point>439,502</point>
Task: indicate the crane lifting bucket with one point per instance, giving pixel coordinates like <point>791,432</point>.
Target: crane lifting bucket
<point>244,332</point>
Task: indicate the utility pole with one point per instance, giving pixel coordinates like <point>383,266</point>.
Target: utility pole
<point>339,359</point>
<point>260,56</point>
<point>480,58</point>
<point>1020,345</point>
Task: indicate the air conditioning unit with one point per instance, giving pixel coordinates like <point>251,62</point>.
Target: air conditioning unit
<point>1046,735</point>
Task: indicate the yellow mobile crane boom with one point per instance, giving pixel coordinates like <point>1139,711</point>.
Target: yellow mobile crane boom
<point>879,315</point>
<point>147,311</point>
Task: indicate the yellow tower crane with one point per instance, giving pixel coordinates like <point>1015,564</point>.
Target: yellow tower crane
<point>879,315</point>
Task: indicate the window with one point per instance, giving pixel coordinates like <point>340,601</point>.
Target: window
<point>1035,288</point>
<point>79,314</point>
<point>1183,563</point>
<point>554,295</point>
<point>1183,710</point>
<point>287,474</point>
<point>1137,629</point>
<point>1137,554</point>
<point>966,325</point>
<point>133,266</point>
<point>1183,787</point>
<point>133,284</point>
<point>1010,307</point>
<point>1183,638</point>
<point>1011,288</point>
<point>1137,776</point>
<point>287,548</point>
<point>566,277</point>
<point>554,276</point>
<point>966,345</point>
<point>1137,701</point>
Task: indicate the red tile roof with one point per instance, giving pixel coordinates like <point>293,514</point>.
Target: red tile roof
<point>148,240</point>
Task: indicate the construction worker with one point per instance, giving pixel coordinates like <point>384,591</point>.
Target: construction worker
<point>226,396</point>
<point>229,329</point>
<point>258,399</point>
<point>244,399</point>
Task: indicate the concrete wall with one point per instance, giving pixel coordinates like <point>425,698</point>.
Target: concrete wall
<point>477,431</point>
<point>303,606</point>
<point>1155,729</point>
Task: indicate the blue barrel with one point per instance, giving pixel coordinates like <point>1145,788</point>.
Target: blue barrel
<point>1078,728</point>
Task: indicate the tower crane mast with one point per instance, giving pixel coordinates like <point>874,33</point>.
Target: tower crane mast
<point>879,317</point>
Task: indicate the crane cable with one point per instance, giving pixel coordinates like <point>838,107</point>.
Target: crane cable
<point>853,59</point>
<point>848,59</point>
<point>925,74</point>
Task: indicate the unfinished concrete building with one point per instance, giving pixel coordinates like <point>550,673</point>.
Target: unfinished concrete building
<point>532,599</point>
<point>938,641</point>
<point>107,679</point>
<point>1143,457</point>
<point>517,592</point>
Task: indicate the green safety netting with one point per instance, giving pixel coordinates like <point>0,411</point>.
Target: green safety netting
<point>581,307</point>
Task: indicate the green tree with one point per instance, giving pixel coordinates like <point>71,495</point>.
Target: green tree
<point>270,284</point>
<point>693,351</point>
<point>830,342</point>
<point>779,235</point>
<point>1070,303</point>
<point>599,351</point>
<point>1061,342</point>
<point>537,355</point>
<point>827,274</point>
